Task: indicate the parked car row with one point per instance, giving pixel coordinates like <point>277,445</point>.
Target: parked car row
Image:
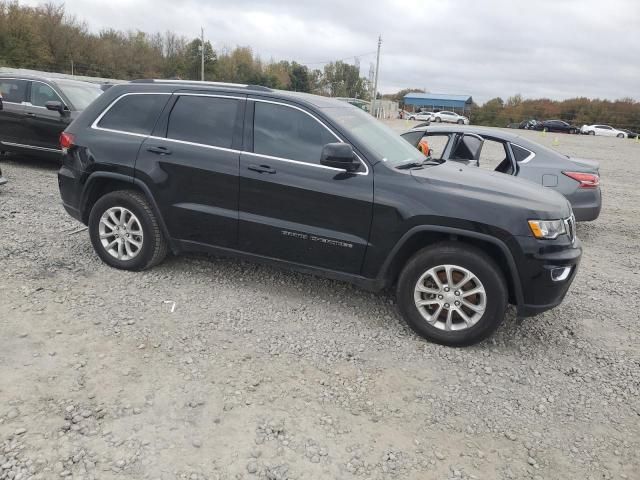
<point>438,117</point>
<point>560,126</point>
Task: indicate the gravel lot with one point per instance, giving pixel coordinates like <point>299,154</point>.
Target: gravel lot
<point>261,373</point>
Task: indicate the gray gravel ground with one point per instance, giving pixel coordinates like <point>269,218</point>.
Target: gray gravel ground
<point>263,373</point>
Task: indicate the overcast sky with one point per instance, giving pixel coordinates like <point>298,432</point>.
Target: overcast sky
<point>484,48</point>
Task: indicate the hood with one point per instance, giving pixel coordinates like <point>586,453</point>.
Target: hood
<point>473,188</point>
<point>591,165</point>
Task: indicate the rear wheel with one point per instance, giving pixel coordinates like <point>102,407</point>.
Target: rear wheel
<point>592,132</point>
<point>452,294</point>
<point>545,129</point>
<point>125,232</point>
<point>438,119</point>
<point>460,122</point>
<point>620,135</point>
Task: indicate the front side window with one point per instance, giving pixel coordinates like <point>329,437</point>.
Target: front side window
<point>136,113</point>
<point>285,132</point>
<point>13,90</point>
<point>80,94</point>
<point>203,120</point>
<point>41,93</point>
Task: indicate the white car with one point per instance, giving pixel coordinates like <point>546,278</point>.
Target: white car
<point>604,130</point>
<point>424,116</point>
<point>449,117</point>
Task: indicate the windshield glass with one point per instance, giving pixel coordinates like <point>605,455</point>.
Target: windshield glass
<point>80,94</point>
<point>379,138</point>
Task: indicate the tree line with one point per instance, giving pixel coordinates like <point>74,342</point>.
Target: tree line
<point>48,38</point>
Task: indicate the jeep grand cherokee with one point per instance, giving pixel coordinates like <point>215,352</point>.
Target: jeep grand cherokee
<point>316,185</point>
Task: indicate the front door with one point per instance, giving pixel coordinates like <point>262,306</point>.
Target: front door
<point>191,165</point>
<point>44,126</point>
<point>292,207</point>
<point>12,127</point>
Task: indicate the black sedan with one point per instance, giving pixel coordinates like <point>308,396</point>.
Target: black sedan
<point>559,126</point>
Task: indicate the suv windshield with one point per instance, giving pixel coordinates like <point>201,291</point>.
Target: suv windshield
<point>387,144</point>
<point>80,94</point>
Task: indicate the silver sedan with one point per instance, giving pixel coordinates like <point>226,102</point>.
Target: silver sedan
<point>577,179</point>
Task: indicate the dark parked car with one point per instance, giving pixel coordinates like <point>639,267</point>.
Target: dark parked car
<point>316,185</point>
<point>630,134</point>
<point>575,178</point>
<point>528,124</point>
<point>35,110</point>
<point>555,126</point>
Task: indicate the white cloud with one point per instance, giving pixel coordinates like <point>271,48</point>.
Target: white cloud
<point>554,48</point>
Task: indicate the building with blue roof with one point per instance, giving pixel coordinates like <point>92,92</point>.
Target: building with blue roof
<point>438,101</point>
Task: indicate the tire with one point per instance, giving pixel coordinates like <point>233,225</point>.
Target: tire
<point>460,256</point>
<point>412,118</point>
<point>460,122</point>
<point>545,129</point>
<point>592,132</point>
<point>438,119</point>
<point>620,135</point>
<point>153,244</point>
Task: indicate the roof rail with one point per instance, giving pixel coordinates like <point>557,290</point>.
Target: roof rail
<point>198,82</point>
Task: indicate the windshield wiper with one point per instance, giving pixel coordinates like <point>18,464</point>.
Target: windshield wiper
<point>426,161</point>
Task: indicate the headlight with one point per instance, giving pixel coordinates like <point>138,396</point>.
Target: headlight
<point>547,229</point>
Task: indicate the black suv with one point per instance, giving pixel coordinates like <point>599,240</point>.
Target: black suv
<point>34,111</point>
<point>317,185</point>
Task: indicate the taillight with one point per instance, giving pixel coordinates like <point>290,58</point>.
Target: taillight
<point>66,140</point>
<point>587,180</point>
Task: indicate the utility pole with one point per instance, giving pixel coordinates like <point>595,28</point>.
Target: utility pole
<point>375,82</point>
<point>72,67</point>
<point>202,51</point>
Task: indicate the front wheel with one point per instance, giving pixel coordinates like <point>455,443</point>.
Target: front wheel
<point>620,135</point>
<point>452,294</point>
<point>592,132</point>
<point>460,122</point>
<point>125,232</point>
<point>545,129</point>
<point>438,119</point>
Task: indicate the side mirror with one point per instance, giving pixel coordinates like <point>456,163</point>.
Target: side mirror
<point>55,106</point>
<point>339,155</point>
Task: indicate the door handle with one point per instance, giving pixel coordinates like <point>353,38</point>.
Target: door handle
<point>262,168</point>
<point>159,150</point>
<point>30,114</point>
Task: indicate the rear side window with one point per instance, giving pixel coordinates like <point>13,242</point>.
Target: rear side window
<point>285,132</point>
<point>13,90</point>
<point>520,153</point>
<point>204,120</point>
<point>135,113</point>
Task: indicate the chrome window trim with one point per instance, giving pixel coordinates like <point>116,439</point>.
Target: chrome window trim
<point>33,147</point>
<point>95,126</point>
<point>197,82</point>
<point>526,160</point>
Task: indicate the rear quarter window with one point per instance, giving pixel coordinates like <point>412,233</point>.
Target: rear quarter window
<point>134,113</point>
<point>520,153</point>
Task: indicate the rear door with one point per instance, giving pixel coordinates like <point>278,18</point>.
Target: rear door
<point>12,126</point>
<point>191,164</point>
<point>293,208</point>
<point>43,126</point>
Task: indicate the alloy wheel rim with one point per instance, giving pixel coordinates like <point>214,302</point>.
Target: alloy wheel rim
<point>450,297</point>
<point>120,233</point>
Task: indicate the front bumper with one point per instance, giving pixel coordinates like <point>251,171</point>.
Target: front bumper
<point>542,260</point>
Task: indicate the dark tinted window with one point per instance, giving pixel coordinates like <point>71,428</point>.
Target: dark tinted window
<point>206,120</point>
<point>13,90</point>
<point>134,113</point>
<point>42,93</point>
<point>285,132</point>
<point>520,153</point>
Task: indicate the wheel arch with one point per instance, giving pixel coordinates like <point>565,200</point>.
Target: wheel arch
<point>420,237</point>
<point>100,183</point>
